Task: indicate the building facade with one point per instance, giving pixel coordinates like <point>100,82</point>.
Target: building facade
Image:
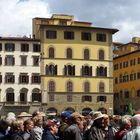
<point>127,77</point>
<point>19,75</point>
<point>76,64</point>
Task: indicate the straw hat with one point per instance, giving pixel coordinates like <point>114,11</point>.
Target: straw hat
<point>97,115</point>
<point>24,114</point>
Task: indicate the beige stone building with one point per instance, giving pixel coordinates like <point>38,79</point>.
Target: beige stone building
<point>76,64</point>
<point>19,75</point>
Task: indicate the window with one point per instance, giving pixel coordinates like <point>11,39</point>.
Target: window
<point>51,34</point>
<point>138,93</point>
<point>51,69</point>
<point>10,98</point>
<point>101,55</point>
<point>0,78</point>
<point>24,47</point>
<point>51,97</point>
<point>126,94</point>
<point>51,52</point>
<point>36,95</point>
<point>35,60</point>
<point>120,65</point>
<point>69,70</point>
<point>86,87</point>
<point>86,70</point>
<point>101,37</point>
<point>86,54</point>
<point>139,60</point>
<point>101,98</point>
<point>62,22</point>
<point>0,46</point>
<point>116,80</point>
<point>9,60</point>
<point>132,62</point>
<point>10,95</point>
<point>86,98</point>
<point>9,78</point>
<point>101,87</point>
<point>23,78</point>
<point>69,53</point>
<point>121,94</point>
<point>23,60</point>
<point>86,36</point>
<point>68,35</point>
<point>132,76</point>
<point>36,48</point>
<point>138,75</point>
<point>101,71</point>
<point>0,60</point>
<point>121,78</point>
<point>69,86</point>
<point>36,79</point>
<point>69,98</point>
<point>9,47</point>
<point>23,95</point>
<point>115,66</point>
<point>51,86</point>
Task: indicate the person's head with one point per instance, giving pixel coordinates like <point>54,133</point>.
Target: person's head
<point>136,120</point>
<point>37,114</point>
<point>106,120</point>
<point>125,122</point>
<point>28,125</point>
<point>3,125</point>
<point>17,126</point>
<point>88,119</point>
<point>76,118</point>
<point>51,126</point>
<point>38,121</point>
<point>64,116</point>
<point>98,119</point>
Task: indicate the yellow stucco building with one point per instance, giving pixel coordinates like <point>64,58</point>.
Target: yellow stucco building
<point>76,64</point>
<point>127,76</point>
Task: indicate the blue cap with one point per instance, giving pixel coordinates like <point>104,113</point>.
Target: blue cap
<point>65,114</point>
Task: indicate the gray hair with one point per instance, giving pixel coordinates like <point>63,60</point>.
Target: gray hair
<point>125,120</point>
<point>136,120</point>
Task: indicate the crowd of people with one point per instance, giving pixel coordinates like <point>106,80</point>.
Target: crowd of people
<point>70,126</point>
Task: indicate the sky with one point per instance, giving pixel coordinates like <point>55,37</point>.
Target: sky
<point>16,15</point>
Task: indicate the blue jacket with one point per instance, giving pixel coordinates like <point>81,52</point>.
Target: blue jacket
<point>47,135</point>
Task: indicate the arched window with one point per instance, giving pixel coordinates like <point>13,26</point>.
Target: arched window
<point>51,52</point>
<point>51,69</point>
<point>69,86</point>
<point>86,87</point>
<point>51,86</point>
<point>86,71</point>
<point>23,95</point>
<point>86,111</point>
<point>101,55</point>
<point>69,70</point>
<point>51,110</point>
<point>70,109</point>
<point>103,110</point>
<point>10,95</point>
<point>101,87</point>
<point>69,53</point>
<point>101,71</point>
<point>36,95</point>
<point>86,54</point>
